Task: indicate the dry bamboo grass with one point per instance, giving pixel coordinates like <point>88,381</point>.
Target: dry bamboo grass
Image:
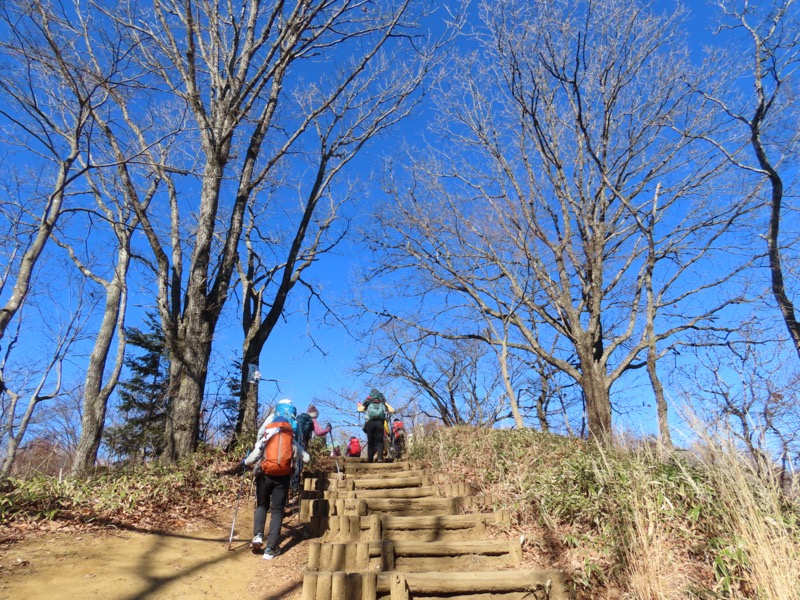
<point>635,522</point>
<point>762,557</point>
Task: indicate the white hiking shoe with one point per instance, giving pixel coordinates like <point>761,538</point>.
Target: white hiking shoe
<point>271,553</point>
<point>257,543</point>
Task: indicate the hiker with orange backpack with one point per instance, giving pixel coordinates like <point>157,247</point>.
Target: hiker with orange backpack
<point>274,457</point>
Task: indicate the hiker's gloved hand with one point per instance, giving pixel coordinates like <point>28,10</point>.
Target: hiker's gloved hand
<point>306,457</point>
<point>329,427</point>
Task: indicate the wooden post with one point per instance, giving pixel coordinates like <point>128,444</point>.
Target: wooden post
<point>387,556</point>
<point>369,585</point>
<point>304,511</point>
<point>339,585</point>
<point>480,526</point>
<point>337,557</point>
<point>324,586</point>
<point>325,556</point>
<point>399,587</point>
<point>354,529</point>
<point>309,585</point>
<point>362,555</point>
<point>375,532</point>
<point>353,586</point>
<point>313,556</point>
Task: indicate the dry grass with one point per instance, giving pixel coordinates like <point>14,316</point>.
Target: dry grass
<point>634,522</point>
<point>761,554</point>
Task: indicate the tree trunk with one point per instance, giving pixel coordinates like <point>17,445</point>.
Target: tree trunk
<point>598,403</point>
<point>782,299</point>
<point>188,380</point>
<point>33,252</point>
<point>202,308</point>
<point>247,418</point>
<point>13,443</point>
<point>512,397</point>
<point>95,394</point>
<point>661,401</point>
<point>541,413</point>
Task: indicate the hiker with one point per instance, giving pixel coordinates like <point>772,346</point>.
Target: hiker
<point>306,426</point>
<point>336,452</point>
<point>375,407</point>
<point>274,458</point>
<point>398,438</point>
<point>354,448</point>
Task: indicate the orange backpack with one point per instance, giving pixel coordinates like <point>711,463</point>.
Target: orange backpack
<point>278,457</point>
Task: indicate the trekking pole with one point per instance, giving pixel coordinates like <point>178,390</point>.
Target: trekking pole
<point>236,510</point>
<point>335,458</point>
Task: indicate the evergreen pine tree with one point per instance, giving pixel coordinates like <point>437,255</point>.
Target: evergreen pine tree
<point>143,398</point>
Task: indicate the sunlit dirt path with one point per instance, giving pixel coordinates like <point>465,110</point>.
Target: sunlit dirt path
<point>130,565</point>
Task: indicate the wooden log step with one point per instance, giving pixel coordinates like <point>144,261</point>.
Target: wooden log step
<point>414,556</point>
<point>529,584</point>
<point>486,582</point>
<point>410,506</point>
<point>425,529</point>
<point>388,482</point>
<point>365,467</point>
<point>355,475</point>
<point>444,522</point>
<point>413,492</point>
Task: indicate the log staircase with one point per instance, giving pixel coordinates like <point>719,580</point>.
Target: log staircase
<point>386,532</point>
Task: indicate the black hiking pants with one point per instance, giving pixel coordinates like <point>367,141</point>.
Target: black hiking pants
<point>271,495</point>
<point>374,430</point>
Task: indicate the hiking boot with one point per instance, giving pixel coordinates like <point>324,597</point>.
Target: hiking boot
<point>271,553</point>
<point>258,542</point>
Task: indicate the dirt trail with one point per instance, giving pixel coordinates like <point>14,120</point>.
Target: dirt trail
<point>382,531</point>
<point>130,565</point>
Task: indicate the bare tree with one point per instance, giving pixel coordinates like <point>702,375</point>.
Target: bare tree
<point>762,47</point>
<point>258,80</point>
<point>566,183</point>
<point>341,132</point>
<point>36,382</point>
<point>82,51</point>
<point>744,387</point>
<point>101,382</point>
<point>47,110</point>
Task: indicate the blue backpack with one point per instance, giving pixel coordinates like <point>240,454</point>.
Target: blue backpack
<point>286,410</point>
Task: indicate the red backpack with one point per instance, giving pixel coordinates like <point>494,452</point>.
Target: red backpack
<point>278,457</point>
<point>354,447</point>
